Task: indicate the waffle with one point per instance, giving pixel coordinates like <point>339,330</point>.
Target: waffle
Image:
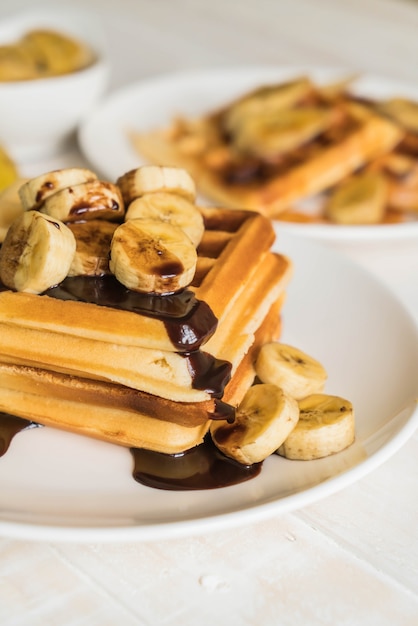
<point>228,175</point>
<point>117,375</point>
<point>237,276</point>
<point>119,414</point>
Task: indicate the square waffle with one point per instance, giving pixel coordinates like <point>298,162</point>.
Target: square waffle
<point>116,375</point>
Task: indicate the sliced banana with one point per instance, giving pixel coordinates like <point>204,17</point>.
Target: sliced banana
<point>358,200</point>
<point>8,170</point>
<point>326,425</point>
<point>264,100</point>
<point>271,133</point>
<point>36,190</point>
<point>56,53</point>
<point>152,257</point>
<point>171,209</point>
<point>403,111</point>
<point>297,373</point>
<point>153,178</point>
<point>95,199</point>
<point>93,239</point>
<point>263,420</point>
<point>10,206</point>
<point>36,254</point>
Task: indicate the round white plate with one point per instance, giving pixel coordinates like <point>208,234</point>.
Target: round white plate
<point>61,486</point>
<point>153,103</point>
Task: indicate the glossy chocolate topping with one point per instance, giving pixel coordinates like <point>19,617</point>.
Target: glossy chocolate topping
<point>203,467</point>
<point>189,321</point>
<point>9,427</point>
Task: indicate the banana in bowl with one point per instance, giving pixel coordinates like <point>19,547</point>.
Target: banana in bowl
<point>47,59</point>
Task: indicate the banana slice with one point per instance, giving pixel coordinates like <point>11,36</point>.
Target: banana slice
<point>36,190</point>
<point>360,199</point>
<point>152,257</point>
<point>264,100</point>
<point>10,206</point>
<point>56,53</point>
<point>95,199</point>
<point>269,134</point>
<point>8,170</point>
<point>263,420</point>
<point>152,178</point>
<point>297,373</point>
<point>326,425</point>
<point>93,239</point>
<point>403,111</point>
<point>16,64</point>
<point>36,254</point>
<point>171,209</point>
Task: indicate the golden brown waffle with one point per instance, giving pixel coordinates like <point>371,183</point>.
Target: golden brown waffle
<point>237,276</point>
<point>118,414</point>
<point>230,177</point>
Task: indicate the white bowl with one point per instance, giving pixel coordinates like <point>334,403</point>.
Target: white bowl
<point>38,117</point>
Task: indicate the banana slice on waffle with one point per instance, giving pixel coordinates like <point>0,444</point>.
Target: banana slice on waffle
<point>297,373</point>
<point>93,239</point>
<point>326,426</point>
<point>36,254</point>
<point>152,257</point>
<point>169,208</point>
<point>36,190</point>
<point>153,178</point>
<point>263,420</point>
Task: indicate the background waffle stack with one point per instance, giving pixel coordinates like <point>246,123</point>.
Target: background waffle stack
<point>115,375</point>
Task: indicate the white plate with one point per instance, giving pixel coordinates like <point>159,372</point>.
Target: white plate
<point>60,486</point>
<point>153,103</point>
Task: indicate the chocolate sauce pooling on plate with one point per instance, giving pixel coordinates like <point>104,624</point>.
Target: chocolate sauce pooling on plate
<point>189,321</point>
<point>203,467</point>
<point>9,427</point>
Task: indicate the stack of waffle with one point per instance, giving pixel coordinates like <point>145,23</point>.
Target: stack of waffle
<point>118,375</point>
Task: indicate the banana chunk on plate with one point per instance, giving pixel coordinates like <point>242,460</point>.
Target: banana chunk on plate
<point>326,426</point>
<point>297,373</point>
<point>264,419</point>
<point>358,200</point>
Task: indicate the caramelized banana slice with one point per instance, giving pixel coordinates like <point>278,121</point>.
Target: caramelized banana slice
<point>269,134</point>
<point>403,111</point>
<point>360,199</point>
<point>265,100</point>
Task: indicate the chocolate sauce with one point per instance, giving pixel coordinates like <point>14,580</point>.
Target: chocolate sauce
<point>208,374</point>
<point>189,321</point>
<point>203,467</point>
<point>9,427</point>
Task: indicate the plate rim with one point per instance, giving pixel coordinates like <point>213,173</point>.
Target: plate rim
<point>252,512</point>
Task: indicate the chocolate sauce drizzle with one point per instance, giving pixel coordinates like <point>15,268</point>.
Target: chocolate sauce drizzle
<point>203,467</point>
<point>9,427</point>
<point>189,321</point>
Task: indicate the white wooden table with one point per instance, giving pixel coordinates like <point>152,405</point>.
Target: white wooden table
<point>352,558</point>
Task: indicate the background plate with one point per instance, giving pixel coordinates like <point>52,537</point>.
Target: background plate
<point>60,486</point>
<point>152,104</point>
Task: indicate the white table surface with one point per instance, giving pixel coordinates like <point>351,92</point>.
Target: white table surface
<point>350,559</point>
